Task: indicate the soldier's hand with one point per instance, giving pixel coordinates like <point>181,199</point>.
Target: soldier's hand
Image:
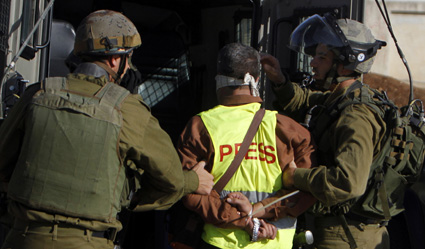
<point>272,69</point>
<point>288,175</point>
<point>205,179</point>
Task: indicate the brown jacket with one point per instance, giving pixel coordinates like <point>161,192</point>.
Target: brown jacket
<point>292,140</point>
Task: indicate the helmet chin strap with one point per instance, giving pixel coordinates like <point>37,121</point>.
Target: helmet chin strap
<point>116,76</point>
<point>331,78</point>
<point>121,68</point>
<point>111,72</point>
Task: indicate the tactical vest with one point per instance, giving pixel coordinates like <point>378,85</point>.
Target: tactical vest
<point>258,177</point>
<point>69,162</point>
<point>395,167</point>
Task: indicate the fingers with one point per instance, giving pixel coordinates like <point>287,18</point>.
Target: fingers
<point>267,231</point>
<point>200,165</point>
<point>272,68</point>
<point>235,195</point>
<point>206,180</point>
<point>243,205</point>
<point>271,230</point>
<point>267,59</point>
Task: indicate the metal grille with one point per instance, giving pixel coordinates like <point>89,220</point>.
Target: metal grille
<point>165,80</point>
<point>4,24</point>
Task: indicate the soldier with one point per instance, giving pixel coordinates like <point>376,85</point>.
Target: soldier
<point>342,51</point>
<point>72,148</point>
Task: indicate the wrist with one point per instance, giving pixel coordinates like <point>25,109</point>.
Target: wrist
<point>252,210</point>
<point>288,178</point>
<point>255,229</point>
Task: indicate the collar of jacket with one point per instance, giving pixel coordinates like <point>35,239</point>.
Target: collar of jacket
<point>90,68</point>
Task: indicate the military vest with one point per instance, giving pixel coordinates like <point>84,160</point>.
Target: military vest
<point>395,167</point>
<point>69,162</point>
<point>258,177</point>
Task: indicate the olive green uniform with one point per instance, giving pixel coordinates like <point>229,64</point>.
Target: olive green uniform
<point>143,147</point>
<point>346,148</point>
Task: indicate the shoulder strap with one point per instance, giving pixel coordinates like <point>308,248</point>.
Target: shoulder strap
<point>242,151</point>
<point>352,87</point>
<point>113,94</point>
<point>379,176</point>
<point>56,83</point>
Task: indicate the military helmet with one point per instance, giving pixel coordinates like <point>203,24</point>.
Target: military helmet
<point>106,32</point>
<point>351,41</point>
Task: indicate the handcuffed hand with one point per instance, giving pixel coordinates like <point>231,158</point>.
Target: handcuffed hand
<point>240,201</point>
<point>266,230</point>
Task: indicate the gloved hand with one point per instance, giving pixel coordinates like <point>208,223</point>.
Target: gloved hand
<point>131,80</point>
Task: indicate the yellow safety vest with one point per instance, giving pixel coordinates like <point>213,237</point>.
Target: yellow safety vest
<point>258,177</point>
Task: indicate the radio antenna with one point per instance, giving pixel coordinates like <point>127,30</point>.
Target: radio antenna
<point>400,52</point>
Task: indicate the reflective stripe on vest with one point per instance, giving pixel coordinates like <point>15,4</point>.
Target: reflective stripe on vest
<point>69,161</point>
<point>258,177</point>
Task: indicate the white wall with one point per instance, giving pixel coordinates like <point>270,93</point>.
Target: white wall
<point>408,22</point>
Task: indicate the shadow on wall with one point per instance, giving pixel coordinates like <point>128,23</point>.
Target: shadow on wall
<point>398,91</point>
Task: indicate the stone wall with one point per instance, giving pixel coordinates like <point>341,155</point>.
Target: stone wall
<point>408,22</point>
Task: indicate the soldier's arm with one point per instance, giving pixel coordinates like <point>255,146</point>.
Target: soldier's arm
<point>143,141</point>
<point>356,133</point>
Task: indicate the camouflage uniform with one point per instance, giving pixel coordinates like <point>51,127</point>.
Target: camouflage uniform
<point>348,140</point>
<point>346,149</point>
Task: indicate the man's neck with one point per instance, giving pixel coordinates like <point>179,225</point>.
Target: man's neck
<point>230,91</point>
<point>345,83</point>
<point>89,68</point>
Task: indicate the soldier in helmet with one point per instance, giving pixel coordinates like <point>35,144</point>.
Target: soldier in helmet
<point>75,150</point>
<point>342,51</point>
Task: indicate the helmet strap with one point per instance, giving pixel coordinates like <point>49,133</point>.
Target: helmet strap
<point>325,84</point>
<point>334,79</point>
<point>111,72</point>
<point>121,68</point>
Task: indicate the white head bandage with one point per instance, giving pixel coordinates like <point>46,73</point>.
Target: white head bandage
<point>249,80</point>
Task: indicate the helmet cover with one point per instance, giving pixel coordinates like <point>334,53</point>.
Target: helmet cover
<point>106,32</point>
